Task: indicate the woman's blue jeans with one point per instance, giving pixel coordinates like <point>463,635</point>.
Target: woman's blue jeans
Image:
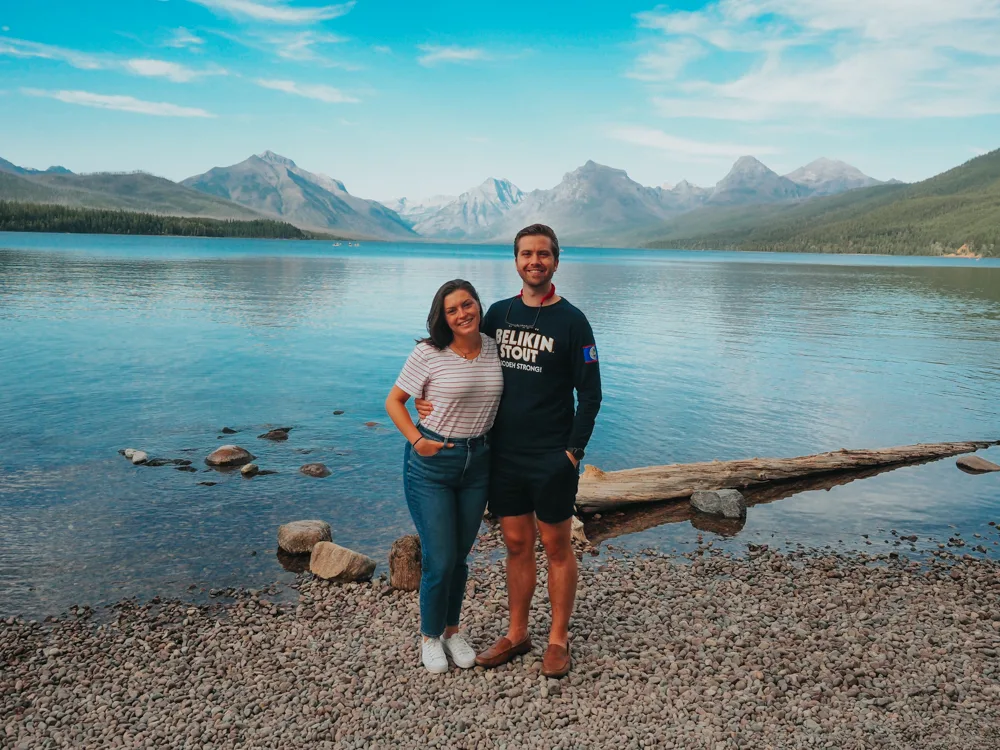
<point>446,494</point>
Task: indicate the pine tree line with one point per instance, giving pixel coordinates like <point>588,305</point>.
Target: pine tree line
<point>36,217</point>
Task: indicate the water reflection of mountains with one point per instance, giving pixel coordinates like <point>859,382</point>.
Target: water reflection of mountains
<point>265,290</point>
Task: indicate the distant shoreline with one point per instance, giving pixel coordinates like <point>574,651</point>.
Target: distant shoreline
<point>16,216</point>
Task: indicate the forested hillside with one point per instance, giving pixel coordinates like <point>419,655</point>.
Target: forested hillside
<point>32,217</point>
<point>958,208</point>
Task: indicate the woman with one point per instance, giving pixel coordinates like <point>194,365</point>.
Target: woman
<point>446,460</point>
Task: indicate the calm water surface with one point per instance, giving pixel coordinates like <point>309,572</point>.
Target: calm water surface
<point>157,343</point>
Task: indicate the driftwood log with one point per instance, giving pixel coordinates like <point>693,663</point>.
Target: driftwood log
<point>603,490</point>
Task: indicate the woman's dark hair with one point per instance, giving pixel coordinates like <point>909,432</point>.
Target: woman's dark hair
<point>539,230</point>
<point>439,332</point>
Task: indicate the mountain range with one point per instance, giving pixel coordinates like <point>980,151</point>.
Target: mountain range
<point>274,185</point>
<point>593,204</point>
<point>596,204</point>
<point>957,209</point>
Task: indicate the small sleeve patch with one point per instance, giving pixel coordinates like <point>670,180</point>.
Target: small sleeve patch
<point>590,354</point>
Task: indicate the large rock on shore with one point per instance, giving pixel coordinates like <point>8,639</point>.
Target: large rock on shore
<point>336,563</point>
<point>299,537</point>
<point>404,563</point>
<point>976,464</point>
<point>726,503</point>
<point>229,455</point>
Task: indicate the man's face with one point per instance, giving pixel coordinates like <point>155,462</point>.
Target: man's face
<point>535,261</point>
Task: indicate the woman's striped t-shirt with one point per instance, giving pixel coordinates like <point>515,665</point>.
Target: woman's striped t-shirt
<point>465,392</point>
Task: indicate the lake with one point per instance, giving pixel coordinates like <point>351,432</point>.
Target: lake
<point>158,343</point>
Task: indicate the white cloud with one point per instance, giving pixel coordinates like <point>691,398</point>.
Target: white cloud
<point>825,58</point>
<point>316,91</point>
<point>667,60</point>
<point>300,46</point>
<point>184,39</point>
<point>164,69</point>
<point>84,61</point>
<point>5,29</point>
<point>434,54</point>
<point>121,103</point>
<point>25,49</point>
<point>685,147</point>
<point>382,49</point>
<point>277,12</point>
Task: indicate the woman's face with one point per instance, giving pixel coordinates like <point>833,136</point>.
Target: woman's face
<point>462,312</point>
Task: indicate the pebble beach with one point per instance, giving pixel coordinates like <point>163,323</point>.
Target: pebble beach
<point>698,650</point>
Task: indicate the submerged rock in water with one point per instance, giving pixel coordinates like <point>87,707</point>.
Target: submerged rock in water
<point>139,457</point>
<point>336,563</point>
<point>228,431</point>
<point>299,537</point>
<point>404,563</point>
<point>168,462</point>
<point>976,464</point>
<point>724,527</point>
<point>249,470</point>
<point>208,484</point>
<point>266,472</point>
<point>338,412</point>
<point>186,468</point>
<point>293,563</point>
<point>371,424</point>
<point>278,433</point>
<point>727,503</point>
<point>315,470</point>
<point>229,455</point>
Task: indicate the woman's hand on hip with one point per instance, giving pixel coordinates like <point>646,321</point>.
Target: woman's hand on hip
<point>428,448</point>
<point>424,407</point>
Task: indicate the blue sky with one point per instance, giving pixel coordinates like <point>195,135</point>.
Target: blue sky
<point>407,98</point>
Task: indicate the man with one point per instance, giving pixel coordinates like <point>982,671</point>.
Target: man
<point>547,351</point>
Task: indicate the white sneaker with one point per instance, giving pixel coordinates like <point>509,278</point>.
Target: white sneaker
<point>432,655</point>
<point>460,651</point>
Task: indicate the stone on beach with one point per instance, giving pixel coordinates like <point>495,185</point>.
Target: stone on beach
<point>976,464</point>
<point>229,455</point>
<point>336,563</point>
<point>278,433</point>
<point>299,537</point>
<point>315,470</point>
<point>404,563</point>
<point>726,503</point>
<point>139,457</point>
<point>578,533</point>
<point>249,470</point>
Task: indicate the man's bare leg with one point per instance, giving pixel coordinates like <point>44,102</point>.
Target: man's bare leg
<point>519,538</point>
<point>556,538</point>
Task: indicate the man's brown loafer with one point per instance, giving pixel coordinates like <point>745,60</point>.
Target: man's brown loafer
<point>502,652</point>
<point>556,661</point>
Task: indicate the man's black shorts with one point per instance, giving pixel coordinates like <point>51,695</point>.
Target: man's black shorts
<point>541,483</point>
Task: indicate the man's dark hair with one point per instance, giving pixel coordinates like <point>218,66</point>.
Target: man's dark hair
<point>538,230</point>
<point>438,330</point>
